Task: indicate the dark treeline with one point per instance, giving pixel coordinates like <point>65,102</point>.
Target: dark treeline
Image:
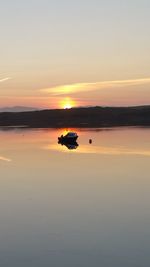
<point>79,117</point>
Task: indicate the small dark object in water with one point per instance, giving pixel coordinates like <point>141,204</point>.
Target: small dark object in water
<point>90,141</point>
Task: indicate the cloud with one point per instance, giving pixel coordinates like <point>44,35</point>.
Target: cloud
<point>5,159</point>
<point>85,87</point>
<point>5,79</point>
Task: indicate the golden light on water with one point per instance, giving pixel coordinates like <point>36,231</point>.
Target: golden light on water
<point>67,103</point>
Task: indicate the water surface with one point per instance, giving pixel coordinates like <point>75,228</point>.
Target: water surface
<point>84,207</point>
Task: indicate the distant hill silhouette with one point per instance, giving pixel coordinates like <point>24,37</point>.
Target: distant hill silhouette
<point>79,117</point>
<point>17,109</point>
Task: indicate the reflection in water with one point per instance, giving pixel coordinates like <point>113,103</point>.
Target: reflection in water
<point>101,150</point>
<point>112,151</point>
<point>70,146</point>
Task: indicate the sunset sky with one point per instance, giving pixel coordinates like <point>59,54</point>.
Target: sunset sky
<point>65,53</point>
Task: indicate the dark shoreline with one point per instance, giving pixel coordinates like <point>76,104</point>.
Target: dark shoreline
<point>91,117</point>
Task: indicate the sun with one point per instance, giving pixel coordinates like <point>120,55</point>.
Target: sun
<point>67,103</point>
<point>67,106</point>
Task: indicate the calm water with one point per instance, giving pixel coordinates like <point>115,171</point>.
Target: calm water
<point>87,207</point>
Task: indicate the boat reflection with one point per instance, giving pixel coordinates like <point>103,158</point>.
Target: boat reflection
<point>70,145</point>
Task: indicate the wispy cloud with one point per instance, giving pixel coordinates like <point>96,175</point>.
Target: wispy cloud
<point>5,159</point>
<point>81,87</point>
<point>5,79</point>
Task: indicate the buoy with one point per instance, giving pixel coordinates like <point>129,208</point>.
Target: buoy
<point>90,141</point>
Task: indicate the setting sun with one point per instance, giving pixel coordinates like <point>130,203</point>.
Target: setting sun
<point>67,106</point>
<point>67,103</point>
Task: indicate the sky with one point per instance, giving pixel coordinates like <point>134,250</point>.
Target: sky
<point>78,53</point>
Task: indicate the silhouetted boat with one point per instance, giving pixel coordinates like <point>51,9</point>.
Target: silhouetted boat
<point>69,138</point>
